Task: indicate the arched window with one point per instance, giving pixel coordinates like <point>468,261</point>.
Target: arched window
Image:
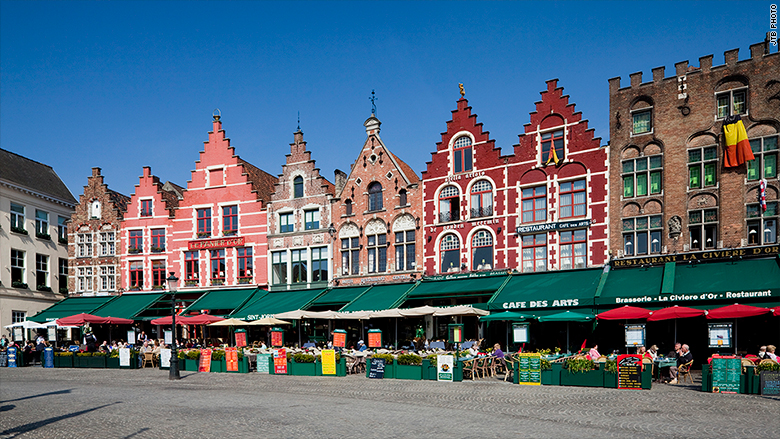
<point>374,196</point>
<point>402,197</point>
<point>298,187</point>
<point>552,141</point>
<point>482,251</point>
<point>449,204</point>
<point>450,253</point>
<point>481,199</point>
<point>461,154</point>
<point>348,205</point>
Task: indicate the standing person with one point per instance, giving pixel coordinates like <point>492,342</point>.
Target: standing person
<point>142,338</point>
<point>91,342</point>
<point>684,357</point>
<point>3,342</point>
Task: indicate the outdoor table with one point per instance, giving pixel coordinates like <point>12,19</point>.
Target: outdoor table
<point>661,363</point>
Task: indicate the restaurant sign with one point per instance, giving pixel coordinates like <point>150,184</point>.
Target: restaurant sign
<point>549,227</point>
<point>208,244</point>
<point>712,255</point>
<point>663,300</point>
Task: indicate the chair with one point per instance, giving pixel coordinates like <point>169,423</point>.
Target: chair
<point>650,362</point>
<point>746,362</point>
<point>351,363</point>
<point>481,367</point>
<point>510,366</point>
<point>148,359</point>
<point>767,361</point>
<point>470,366</point>
<point>684,371</point>
<point>491,363</point>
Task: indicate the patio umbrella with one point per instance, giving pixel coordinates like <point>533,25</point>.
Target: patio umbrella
<point>460,310</point>
<point>417,312</point>
<point>164,321</point>
<point>27,324</point>
<point>202,319</point>
<point>295,315</point>
<point>567,316</point>
<point>118,321</point>
<point>675,312</point>
<point>229,322</point>
<point>736,311</point>
<point>776,312</point>
<point>357,315</point>
<point>386,313</point>
<point>268,321</point>
<point>624,313</point>
<point>510,316</point>
<point>81,319</point>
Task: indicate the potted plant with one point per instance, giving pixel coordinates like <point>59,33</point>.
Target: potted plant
<point>191,283</point>
<point>581,372</point>
<point>44,236</point>
<point>610,374</point>
<point>63,359</point>
<point>217,360</point>
<point>408,367</point>
<point>43,288</point>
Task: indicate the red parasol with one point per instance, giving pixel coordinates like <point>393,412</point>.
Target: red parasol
<point>624,313</point>
<point>162,321</point>
<point>736,311</point>
<point>675,312</point>
<point>201,319</point>
<point>777,311</point>
<point>81,319</point>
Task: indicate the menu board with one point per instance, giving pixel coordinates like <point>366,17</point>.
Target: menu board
<point>18,334</point>
<point>770,382</point>
<point>168,336</point>
<point>520,333</point>
<point>280,361</point>
<point>375,339</point>
<point>530,368</point>
<point>240,339</point>
<point>725,374</point>
<point>124,357</point>
<point>277,339</point>
<point>328,362</point>
<point>629,371</point>
<point>3,359</point>
<point>340,339</point>
<point>165,358</point>
<point>263,363</point>
<point>444,367</point>
<point>635,335</point>
<point>52,333</point>
<point>11,357</point>
<point>720,335</point>
<point>131,337</point>
<point>377,368</point>
<point>231,357</point>
<point>205,361</point>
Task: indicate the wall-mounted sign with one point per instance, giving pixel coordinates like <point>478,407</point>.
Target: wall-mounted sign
<point>520,333</point>
<point>720,335</point>
<point>635,335</point>
<point>208,244</point>
<point>712,255</point>
<point>549,227</point>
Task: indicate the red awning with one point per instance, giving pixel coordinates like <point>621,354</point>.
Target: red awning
<point>736,311</point>
<point>162,321</point>
<point>675,312</point>
<point>624,313</point>
<point>777,311</point>
<point>202,319</point>
<point>81,319</point>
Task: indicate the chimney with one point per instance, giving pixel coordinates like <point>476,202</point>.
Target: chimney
<point>340,179</point>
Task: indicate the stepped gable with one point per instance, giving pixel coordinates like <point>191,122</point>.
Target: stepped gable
<point>262,182</point>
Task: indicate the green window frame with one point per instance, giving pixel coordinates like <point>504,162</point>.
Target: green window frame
<point>642,176</point>
<point>702,167</point>
<point>641,121</point>
<point>765,150</point>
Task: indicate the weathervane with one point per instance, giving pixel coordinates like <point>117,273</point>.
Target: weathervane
<point>216,114</point>
<point>299,121</point>
<point>462,91</point>
<point>373,100</point>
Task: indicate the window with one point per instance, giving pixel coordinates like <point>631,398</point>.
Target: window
<point>641,121</point>
<point>17,267</point>
<point>18,316</point>
<point>299,269</point>
<point>642,235</point>
<point>703,228</point>
<point>146,207</point>
<point>107,278</point>
<point>94,209</point>
<point>41,223</point>
<point>136,275</point>
<point>17,217</point>
<point>63,274</point>
<point>534,204</point>
<point>573,199</point>
<point>84,278</point>
<point>279,267</point>
<point>348,206</point>
<point>245,264</point>
<point>450,253</point>
<point>229,220</point>
<point>574,249</point>
<point>374,197</point>
<point>312,219</point>
<point>535,252</point>
<point>404,251</point>
<point>449,204</point>
<point>377,253</point>
<point>482,251</point>
<point>298,187</point>
<point>41,271</point>
<point>702,162</point>
<point>218,265</point>
<point>107,244</point>
<point>84,243</point>
<point>158,240</point>
<point>732,102</point>
<point>402,198</point>
<point>461,154</point>
<point>204,223</point>
<point>552,140</point>
<point>136,241</point>
<point>762,227</point>
<point>350,256</point>
<point>286,222</point>
<point>642,176</point>
<point>481,199</point>
<point>765,164</point>
<point>158,275</point>
<point>319,264</point>
<point>191,266</point>
<point>62,228</point>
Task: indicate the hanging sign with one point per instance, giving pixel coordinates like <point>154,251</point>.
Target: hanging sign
<point>11,357</point>
<point>339,338</point>
<point>455,332</point>
<point>530,368</point>
<point>277,338</point>
<point>375,338</point>
<point>263,361</point>
<point>629,371</point>
<point>328,362</point>
<point>165,358</point>
<point>377,368</point>
<point>205,361</point>
<point>280,361</point>
<point>444,367</point>
<point>48,357</point>
<point>635,335</point>
<point>726,372</point>
<point>231,357</point>
<point>124,357</point>
<point>240,338</point>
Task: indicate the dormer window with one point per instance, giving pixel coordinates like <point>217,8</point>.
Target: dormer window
<point>552,147</point>
<point>461,154</point>
<point>298,187</point>
<point>146,207</point>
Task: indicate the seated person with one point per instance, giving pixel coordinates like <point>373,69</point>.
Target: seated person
<point>676,352</point>
<point>499,354</point>
<point>594,353</point>
<point>770,352</point>
<point>684,357</point>
<point>361,346</point>
<point>473,350</point>
<point>762,352</point>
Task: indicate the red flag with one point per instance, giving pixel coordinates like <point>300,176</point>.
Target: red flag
<point>738,149</point>
<point>584,343</point>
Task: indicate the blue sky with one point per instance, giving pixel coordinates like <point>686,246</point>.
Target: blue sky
<point>122,85</point>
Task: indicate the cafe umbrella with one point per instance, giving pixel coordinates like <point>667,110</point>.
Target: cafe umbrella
<point>624,313</point>
<point>506,316</point>
<point>675,312</point>
<point>736,311</point>
<point>568,317</point>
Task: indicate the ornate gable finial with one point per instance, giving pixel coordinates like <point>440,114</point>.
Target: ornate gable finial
<point>299,121</point>
<point>462,90</point>
<point>373,100</point>
<point>216,114</point>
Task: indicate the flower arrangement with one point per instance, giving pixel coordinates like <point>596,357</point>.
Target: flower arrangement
<point>193,354</point>
<point>217,355</point>
<point>301,357</point>
<point>576,365</point>
<point>387,357</point>
<point>409,359</point>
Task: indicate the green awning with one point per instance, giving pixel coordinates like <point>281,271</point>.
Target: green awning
<point>632,286</point>
<point>567,316</point>
<point>222,300</point>
<point>269,303</point>
<point>738,281</point>
<point>338,297</point>
<point>379,297</point>
<point>530,292</point>
<point>463,286</point>
<point>128,305</point>
<point>508,316</point>
<point>71,306</point>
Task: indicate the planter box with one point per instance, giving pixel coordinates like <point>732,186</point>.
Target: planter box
<point>302,369</point>
<point>611,380</point>
<point>341,367</point>
<point>706,378</point>
<point>90,362</point>
<point>647,378</point>
<point>63,361</point>
<point>243,365</point>
<point>547,377</point>
<point>192,365</point>
<point>217,366</point>
<point>182,364</point>
<point>389,369</point>
<point>112,363</point>
<point>591,378</point>
<point>408,372</point>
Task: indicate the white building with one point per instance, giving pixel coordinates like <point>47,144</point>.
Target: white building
<point>35,207</point>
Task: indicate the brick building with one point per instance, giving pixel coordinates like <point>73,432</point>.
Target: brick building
<point>94,250</point>
<point>377,217</point>
<point>299,220</point>
<point>671,189</point>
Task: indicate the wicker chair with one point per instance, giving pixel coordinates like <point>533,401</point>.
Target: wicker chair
<point>510,366</point>
<point>470,367</point>
<point>684,371</point>
<point>148,359</point>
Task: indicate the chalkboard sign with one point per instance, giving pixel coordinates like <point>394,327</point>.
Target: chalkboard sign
<point>770,382</point>
<point>263,363</point>
<point>3,359</point>
<point>629,370</point>
<point>48,357</point>
<point>725,374</point>
<point>377,368</point>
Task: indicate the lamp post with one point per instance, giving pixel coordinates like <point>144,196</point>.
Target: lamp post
<point>172,286</point>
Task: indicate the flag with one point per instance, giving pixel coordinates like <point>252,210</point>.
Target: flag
<point>584,343</point>
<point>552,156</point>
<point>737,145</point>
<point>762,194</point>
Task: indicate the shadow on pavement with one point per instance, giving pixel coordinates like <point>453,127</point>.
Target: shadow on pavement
<point>16,431</point>
<point>137,432</point>
<point>58,392</point>
<point>5,408</point>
